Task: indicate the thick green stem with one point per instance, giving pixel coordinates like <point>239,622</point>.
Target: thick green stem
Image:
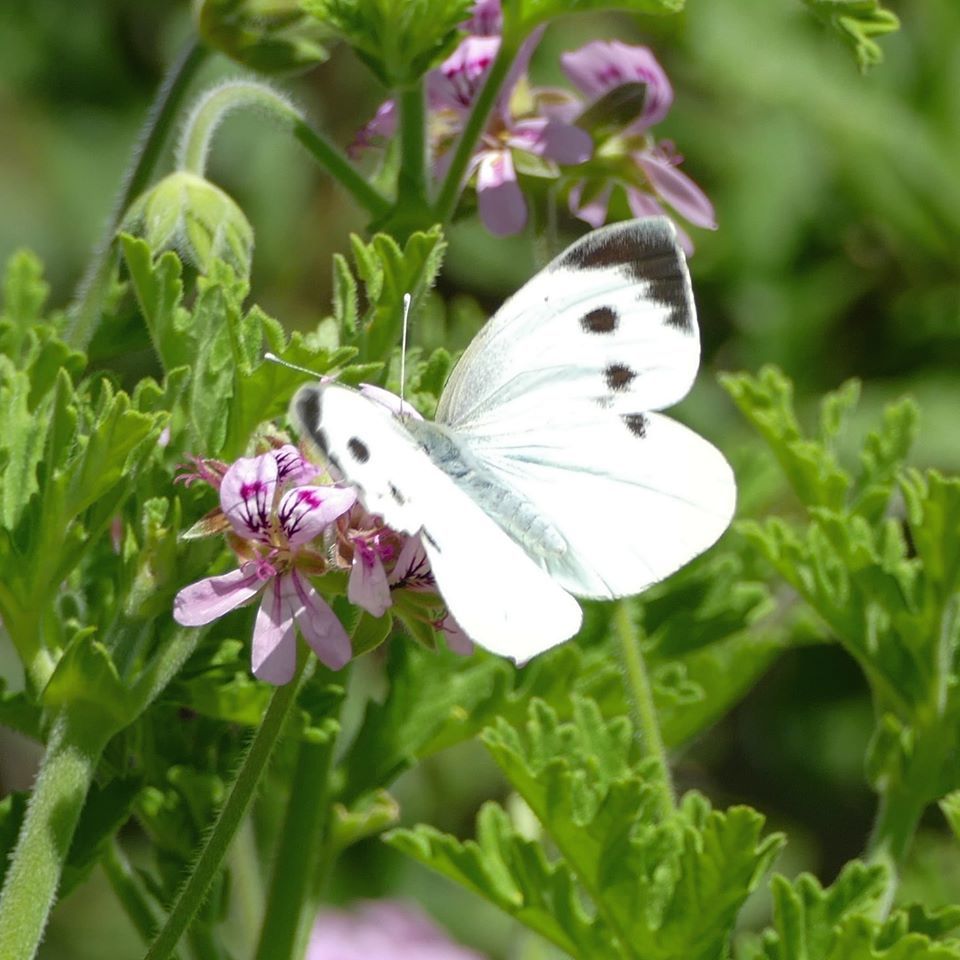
<point>412,183</point>
<point>193,892</point>
<point>340,168</point>
<point>73,749</point>
<point>641,698</point>
<point>153,136</point>
<point>297,859</point>
<point>453,183</point>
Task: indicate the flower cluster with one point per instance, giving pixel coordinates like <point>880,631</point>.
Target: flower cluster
<point>592,141</point>
<point>284,528</point>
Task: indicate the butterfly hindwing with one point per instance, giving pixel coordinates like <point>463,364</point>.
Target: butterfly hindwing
<point>500,597</point>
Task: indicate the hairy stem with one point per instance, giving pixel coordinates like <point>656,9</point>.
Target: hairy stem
<point>153,135</point>
<point>641,698</point>
<point>33,876</point>
<point>453,183</point>
<point>297,858</point>
<point>194,891</point>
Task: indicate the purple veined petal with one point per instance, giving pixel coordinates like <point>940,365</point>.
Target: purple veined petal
<point>486,19</point>
<point>206,600</point>
<point>389,400</point>
<point>412,569</point>
<point>553,139</point>
<point>381,126</point>
<point>456,639</point>
<point>318,623</point>
<point>456,82</point>
<point>677,189</point>
<point>594,210</point>
<point>367,586</point>
<point>600,66</point>
<point>643,205</point>
<point>502,207</point>
<point>292,467</point>
<point>274,654</point>
<point>304,512</point>
<point>246,495</point>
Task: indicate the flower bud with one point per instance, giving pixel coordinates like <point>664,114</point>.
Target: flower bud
<point>185,213</point>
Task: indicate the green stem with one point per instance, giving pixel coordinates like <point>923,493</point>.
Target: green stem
<point>340,168</point>
<point>450,191</point>
<point>641,698</point>
<point>30,889</point>
<point>153,136</point>
<point>231,815</point>
<point>297,859</point>
<point>412,182</point>
<point>128,891</point>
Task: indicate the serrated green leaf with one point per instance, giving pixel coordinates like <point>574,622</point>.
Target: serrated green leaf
<point>858,22</point>
<point>345,308</point>
<point>399,42</point>
<point>369,815</point>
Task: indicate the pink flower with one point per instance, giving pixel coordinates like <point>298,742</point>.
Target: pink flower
<point>274,516</point>
<point>381,930</point>
<point>647,171</point>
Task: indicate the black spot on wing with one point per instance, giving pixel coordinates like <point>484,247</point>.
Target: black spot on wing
<point>308,407</point>
<point>619,376</point>
<point>648,253</point>
<point>398,497</point>
<point>358,450</point>
<point>636,424</point>
<point>601,320</point>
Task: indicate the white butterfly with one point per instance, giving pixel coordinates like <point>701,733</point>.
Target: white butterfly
<point>546,474</point>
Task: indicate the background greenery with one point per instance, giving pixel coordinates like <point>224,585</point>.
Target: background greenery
<point>837,256</point>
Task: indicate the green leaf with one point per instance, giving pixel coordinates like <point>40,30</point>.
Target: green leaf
<point>524,15</point>
<point>858,22</point>
<point>399,42</point>
<point>368,816</point>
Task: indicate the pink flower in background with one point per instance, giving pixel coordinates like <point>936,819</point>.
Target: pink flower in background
<point>381,930</point>
<point>646,170</point>
<point>274,516</point>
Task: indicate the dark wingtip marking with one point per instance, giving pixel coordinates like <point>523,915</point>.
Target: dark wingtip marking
<point>433,543</point>
<point>601,320</point>
<point>619,376</point>
<point>398,497</point>
<point>636,424</point>
<point>358,450</point>
<point>648,253</point>
<point>309,411</point>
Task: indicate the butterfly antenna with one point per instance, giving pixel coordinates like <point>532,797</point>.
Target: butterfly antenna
<point>273,358</point>
<point>403,347</point>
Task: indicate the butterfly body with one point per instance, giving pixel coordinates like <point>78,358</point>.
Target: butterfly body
<point>548,472</point>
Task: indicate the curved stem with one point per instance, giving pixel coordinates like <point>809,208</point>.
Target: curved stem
<point>153,136</point>
<point>194,891</point>
<point>450,191</point>
<point>128,891</point>
<point>340,168</point>
<point>297,859</point>
<point>641,698</point>
<point>30,889</point>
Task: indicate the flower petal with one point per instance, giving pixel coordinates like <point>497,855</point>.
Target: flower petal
<point>318,623</point>
<point>644,205</point>
<point>594,210</point>
<point>456,639</point>
<point>382,126</point>
<point>246,495</point>
<point>274,653</point>
<point>456,82</point>
<point>502,207</point>
<point>304,512</point>
<point>206,600</point>
<point>600,66</point>
<point>677,189</point>
<point>552,139</point>
<point>412,569</point>
<point>367,586</point>
<point>486,19</point>
<point>292,467</point>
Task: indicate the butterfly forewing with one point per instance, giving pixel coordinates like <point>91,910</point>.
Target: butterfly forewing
<point>498,594</point>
